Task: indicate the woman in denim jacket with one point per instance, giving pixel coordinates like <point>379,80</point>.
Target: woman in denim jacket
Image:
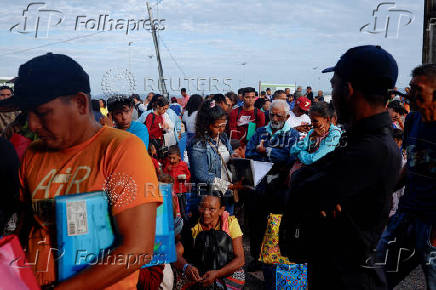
<point>210,150</point>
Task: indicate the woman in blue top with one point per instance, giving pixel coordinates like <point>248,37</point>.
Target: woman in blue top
<point>322,139</point>
<point>210,150</point>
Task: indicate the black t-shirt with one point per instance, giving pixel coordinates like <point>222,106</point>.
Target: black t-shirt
<point>310,96</point>
<point>9,193</point>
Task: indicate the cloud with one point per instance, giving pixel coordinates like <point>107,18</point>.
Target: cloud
<point>280,40</point>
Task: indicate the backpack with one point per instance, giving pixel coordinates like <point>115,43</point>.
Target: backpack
<point>212,250</point>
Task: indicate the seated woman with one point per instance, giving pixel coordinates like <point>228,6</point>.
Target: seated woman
<point>210,150</point>
<point>322,139</point>
<point>194,268</point>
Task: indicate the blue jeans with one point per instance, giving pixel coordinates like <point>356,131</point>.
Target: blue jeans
<point>405,244</point>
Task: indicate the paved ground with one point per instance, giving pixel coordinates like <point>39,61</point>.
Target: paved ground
<point>254,281</point>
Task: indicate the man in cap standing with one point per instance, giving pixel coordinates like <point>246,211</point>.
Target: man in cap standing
<point>74,154</point>
<point>345,197</point>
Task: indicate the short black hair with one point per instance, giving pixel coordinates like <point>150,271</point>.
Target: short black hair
<point>95,105</point>
<point>248,90</point>
<point>240,91</point>
<point>279,92</point>
<point>214,193</point>
<point>219,98</point>
<point>160,101</point>
<point>118,102</point>
<point>396,106</point>
<point>7,88</point>
<point>174,149</point>
<point>104,102</point>
<point>428,70</point>
<point>259,103</point>
<point>183,90</point>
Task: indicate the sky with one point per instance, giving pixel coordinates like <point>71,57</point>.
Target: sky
<point>220,45</point>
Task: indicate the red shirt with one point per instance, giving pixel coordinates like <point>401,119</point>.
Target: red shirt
<point>176,170</point>
<point>238,122</point>
<point>154,125</point>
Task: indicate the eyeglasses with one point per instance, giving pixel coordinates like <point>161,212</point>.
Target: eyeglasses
<point>222,126</point>
<point>204,209</point>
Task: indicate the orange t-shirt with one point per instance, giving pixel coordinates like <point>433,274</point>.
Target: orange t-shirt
<point>112,160</point>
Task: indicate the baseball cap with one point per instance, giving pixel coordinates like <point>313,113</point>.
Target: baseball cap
<point>304,103</point>
<point>45,78</point>
<point>368,66</point>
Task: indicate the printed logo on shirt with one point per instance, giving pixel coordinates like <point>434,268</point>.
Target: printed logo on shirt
<point>244,120</point>
<point>422,161</point>
<point>69,182</point>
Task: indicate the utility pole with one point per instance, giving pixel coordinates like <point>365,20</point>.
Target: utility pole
<point>429,32</point>
<point>162,86</point>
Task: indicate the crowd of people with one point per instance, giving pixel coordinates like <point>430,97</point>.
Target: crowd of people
<point>352,181</point>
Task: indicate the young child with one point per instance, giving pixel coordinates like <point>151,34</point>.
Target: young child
<point>153,154</point>
<point>177,169</point>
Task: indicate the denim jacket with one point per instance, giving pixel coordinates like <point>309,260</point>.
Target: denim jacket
<point>277,145</point>
<point>204,161</point>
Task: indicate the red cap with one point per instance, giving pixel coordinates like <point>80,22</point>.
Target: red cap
<point>304,103</point>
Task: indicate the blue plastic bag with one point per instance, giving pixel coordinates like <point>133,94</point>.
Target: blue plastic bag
<point>84,232</point>
<point>291,277</point>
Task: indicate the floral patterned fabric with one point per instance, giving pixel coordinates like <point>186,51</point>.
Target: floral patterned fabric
<point>270,251</point>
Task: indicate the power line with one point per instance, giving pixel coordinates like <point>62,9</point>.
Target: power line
<point>52,43</point>
<point>169,52</point>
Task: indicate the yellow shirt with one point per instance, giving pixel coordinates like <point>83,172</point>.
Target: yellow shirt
<point>104,111</point>
<point>234,228</point>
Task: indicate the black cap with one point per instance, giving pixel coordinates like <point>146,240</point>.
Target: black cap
<point>365,65</point>
<point>45,78</point>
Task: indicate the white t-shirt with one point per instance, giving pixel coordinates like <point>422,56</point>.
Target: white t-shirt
<point>295,121</point>
<point>190,121</point>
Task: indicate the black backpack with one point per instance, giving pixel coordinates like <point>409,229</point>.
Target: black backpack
<point>212,250</point>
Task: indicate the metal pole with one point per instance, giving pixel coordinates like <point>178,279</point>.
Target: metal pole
<point>429,32</point>
<point>162,86</point>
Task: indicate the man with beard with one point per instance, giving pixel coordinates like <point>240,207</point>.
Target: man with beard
<point>340,204</point>
<point>271,143</point>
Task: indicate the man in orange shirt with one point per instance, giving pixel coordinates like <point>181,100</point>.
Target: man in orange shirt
<point>76,155</point>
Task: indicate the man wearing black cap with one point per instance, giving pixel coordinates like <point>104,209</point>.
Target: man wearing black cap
<point>342,201</point>
<point>74,154</point>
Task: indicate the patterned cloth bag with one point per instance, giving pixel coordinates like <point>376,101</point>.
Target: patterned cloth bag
<point>270,251</point>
